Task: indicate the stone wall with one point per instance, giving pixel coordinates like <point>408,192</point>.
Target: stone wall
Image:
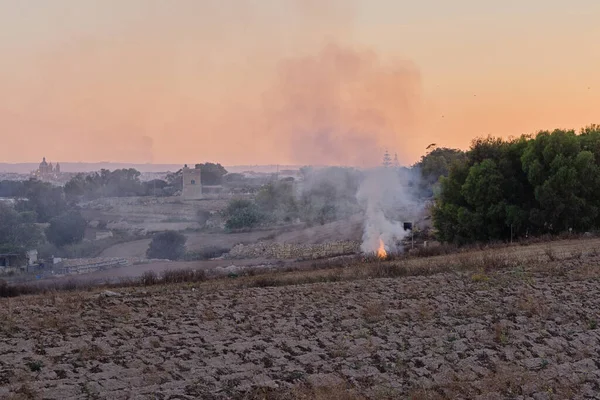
<point>293,251</point>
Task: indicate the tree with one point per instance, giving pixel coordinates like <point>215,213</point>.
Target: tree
<point>68,228</point>
<point>234,178</point>
<point>175,180</point>
<point>118,183</point>
<point>212,174</point>
<point>18,232</point>
<point>436,164</point>
<point>168,245</point>
<point>277,200</point>
<point>486,196</point>
<point>45,200</point>
<point>154,187</point>
<point>12,189</point>
<point>75,188</point>
<point>543,184</point>
<point>565,180</point>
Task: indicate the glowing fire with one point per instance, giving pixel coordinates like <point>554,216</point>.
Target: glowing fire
<point>381,253</point>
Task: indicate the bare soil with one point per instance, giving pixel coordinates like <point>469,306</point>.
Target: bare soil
<point>525,331</point>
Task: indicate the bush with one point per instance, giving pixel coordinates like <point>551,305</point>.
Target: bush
<point>390,271</point>
<point>183,275</point>
<point>167,245</point>
<point>242,214</point>
<point>68,228</point>
<point>149,278</point>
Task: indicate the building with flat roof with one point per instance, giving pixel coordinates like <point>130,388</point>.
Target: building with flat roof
<point>192,183</point>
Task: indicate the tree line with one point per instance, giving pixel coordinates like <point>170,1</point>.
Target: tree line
<point>532,185</point>
<point>38,202</point>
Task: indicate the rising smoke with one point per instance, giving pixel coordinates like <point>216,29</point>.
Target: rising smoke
<point>388,198</point>
<point>341,106</point>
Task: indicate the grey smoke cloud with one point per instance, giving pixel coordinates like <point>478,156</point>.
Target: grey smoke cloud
<point>388,200</point>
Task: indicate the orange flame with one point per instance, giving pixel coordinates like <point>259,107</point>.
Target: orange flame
<point>381,253</point>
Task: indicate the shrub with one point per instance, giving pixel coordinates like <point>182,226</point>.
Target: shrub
<point>149,278</point>
<point>390,271</point>
<point>35,366</point>
<point>242,214</point>
<point>167,245</point>
<point>183,275</point>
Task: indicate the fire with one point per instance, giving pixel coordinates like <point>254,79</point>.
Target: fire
<point>381,253</point>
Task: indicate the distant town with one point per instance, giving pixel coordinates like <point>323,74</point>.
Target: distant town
<point>59,173</point>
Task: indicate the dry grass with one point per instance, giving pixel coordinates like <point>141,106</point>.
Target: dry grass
<point>374,312</point>
<point>91,352</point>
<point>306,392</point>
<point>500,333</point>
<point>421,262</point>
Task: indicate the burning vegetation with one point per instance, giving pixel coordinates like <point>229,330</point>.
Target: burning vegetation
<point>381,253</point>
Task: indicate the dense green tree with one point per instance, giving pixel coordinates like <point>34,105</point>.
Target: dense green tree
<point>436,164</point>
<point>565,181</point>
<point>212,174</point>
<point>168,245</point>
<point>543,184</point>
<point>68,228</point>
<point>18,232</point>
<point>45,200</point>
<point>117,183</point>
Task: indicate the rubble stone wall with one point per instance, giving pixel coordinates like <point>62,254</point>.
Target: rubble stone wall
<point>291,251</point>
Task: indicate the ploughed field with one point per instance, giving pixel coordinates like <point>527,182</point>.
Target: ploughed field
<point>497,327</point>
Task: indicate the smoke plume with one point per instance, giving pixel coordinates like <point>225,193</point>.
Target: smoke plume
<point>388,199</point>
<point>341,106</point>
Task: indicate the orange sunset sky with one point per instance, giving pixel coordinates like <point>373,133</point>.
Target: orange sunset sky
<point>288,81</point>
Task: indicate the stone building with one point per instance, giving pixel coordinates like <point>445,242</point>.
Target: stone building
<point>47,170</point>
<point>192,184</point>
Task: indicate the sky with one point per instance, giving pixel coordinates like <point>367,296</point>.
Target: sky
<point>288,81</point>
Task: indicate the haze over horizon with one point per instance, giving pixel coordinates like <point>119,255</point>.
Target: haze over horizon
<point>253,82</point>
